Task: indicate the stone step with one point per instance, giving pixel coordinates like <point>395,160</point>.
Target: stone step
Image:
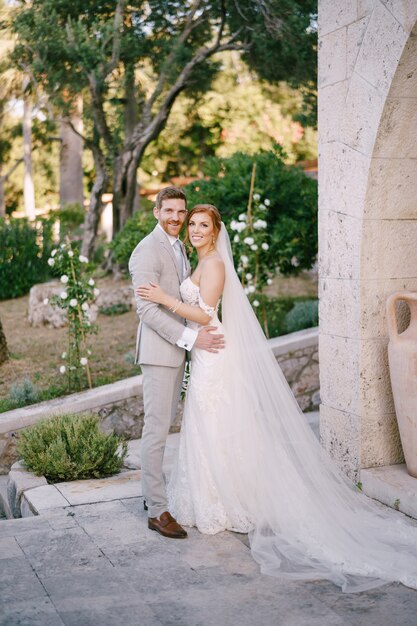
<point>393,486</point>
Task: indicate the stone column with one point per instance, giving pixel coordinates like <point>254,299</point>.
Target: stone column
<point>367,216</point>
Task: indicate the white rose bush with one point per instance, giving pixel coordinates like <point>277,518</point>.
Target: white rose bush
<point>250,245</point>
<point>76,297</point>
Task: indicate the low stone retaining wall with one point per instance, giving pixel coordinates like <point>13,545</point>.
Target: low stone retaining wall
<point>120,404</point>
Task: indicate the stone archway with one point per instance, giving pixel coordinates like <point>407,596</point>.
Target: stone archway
<point>367,216</point>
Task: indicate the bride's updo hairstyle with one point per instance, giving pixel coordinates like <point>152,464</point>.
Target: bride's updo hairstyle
<point>211,210</point>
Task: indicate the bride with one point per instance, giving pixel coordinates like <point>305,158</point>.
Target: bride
<point>248,461</point>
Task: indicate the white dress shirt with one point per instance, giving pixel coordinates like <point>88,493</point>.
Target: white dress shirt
<point>189,335</point>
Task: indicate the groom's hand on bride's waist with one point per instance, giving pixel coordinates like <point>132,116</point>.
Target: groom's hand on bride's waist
<point>208,340</point>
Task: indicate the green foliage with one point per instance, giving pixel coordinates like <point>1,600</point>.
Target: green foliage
<point>131,70</point>
<point>135,229</point>
<point>70,447</point>
<point>272,314</point>
<point>76,297</point>
<point>291,214</point>
<point>239,112</point>
<point>23,393</point>
<point>71,216</point>
<point>115,309</point>
<point>303,315</point>
<point>24,252</point>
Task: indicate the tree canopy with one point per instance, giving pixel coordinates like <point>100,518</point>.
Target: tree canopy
<point>132,61</point>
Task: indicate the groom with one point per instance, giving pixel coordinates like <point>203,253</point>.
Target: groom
<point>162,341</point>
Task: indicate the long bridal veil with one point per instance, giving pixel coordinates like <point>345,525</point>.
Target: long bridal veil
<point>308,521</point>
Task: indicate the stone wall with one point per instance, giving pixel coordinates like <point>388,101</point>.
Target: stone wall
<point>367,217</point>
<point>120,405</point>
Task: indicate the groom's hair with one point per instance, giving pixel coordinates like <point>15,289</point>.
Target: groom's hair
<point>170,193</point>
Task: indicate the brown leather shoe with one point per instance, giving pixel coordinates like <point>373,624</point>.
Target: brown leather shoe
<point>167,526</point>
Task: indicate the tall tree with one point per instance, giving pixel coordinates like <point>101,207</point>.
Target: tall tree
<point>70,158</point>
<point>28,186</point>
<point>133,60</point>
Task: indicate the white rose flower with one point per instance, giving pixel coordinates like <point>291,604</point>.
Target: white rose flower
<point>267,202</point>
<point>249,276</point>
<point>64,355</point>
<point>64,279</point>
<point>46,301</point>
<point>85,306</point>
<point>83,258</point>
<point>234,225</point>
<point>294,261</point>
<point>242,217</point>
<point>269,281</point>
<point>260,224</point>
<point>244,259</point>
<point>96,291</point>
<point>73,302</point>
<point>246,291</point>
<point>83,360</point>
<point>249,240</point>
<point>262,207</point>
<point>256,197</point>
<point>53,253</point>
<point>251,289</point>
<point>62,369</point>
<point>254,247</point>
<point>91,282</point>
<point>63,295</point>
<point>265,246</point>
<point>255,303</point>
<point>242,226</point>
<point>70,254</point>
<point>236,238</point>
<point>239,269</point>
<point>51,262</point>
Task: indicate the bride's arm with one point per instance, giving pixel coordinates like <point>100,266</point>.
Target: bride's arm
<point>211,288</point>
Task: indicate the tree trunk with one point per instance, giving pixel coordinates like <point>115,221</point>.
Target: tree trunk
<point>2,197</point>
<point>28,187</point>
<point>124,190</point>
<point>4,352</point>
<point>92,219</point>
<point>70,159</point>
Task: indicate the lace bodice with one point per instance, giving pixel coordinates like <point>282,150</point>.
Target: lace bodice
<point>190,293</point>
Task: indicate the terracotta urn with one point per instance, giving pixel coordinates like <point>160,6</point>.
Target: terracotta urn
<point>402,356</point>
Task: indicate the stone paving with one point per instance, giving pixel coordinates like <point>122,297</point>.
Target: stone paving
<point>97,564</point>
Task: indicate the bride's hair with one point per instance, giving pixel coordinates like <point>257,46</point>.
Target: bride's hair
<point>211,210</point>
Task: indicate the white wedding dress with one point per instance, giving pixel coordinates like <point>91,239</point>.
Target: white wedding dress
<point>248,462</point>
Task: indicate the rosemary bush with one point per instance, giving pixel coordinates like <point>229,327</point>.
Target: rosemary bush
<point>70,447</point>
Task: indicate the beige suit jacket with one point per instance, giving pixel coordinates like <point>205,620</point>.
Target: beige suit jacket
<point>154,260</point>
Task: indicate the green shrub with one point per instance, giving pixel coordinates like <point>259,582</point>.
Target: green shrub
<point>292,210</point>
<point>70,216</point>
<point>23,393</point>
<point>70,447</point>
<point>303,315</point>
<point>24,253</point>
<point>135,229</point>
<point>115,309</point>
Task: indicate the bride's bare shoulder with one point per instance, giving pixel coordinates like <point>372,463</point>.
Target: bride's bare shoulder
<point>213,263</point>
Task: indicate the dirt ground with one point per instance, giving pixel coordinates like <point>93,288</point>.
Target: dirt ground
<point>36,352</point>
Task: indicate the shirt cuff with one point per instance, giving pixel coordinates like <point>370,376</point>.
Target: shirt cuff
<point>187,338</point>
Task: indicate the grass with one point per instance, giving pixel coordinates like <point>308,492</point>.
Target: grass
<point>35,353</point>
